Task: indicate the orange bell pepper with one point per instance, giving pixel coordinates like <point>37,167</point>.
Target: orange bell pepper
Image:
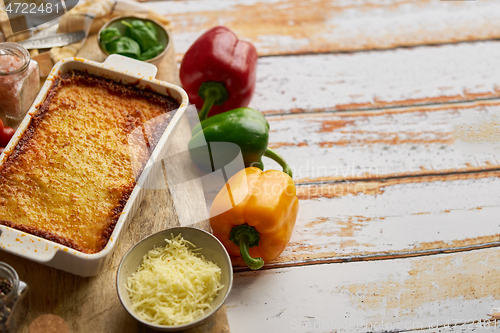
<point>254,215</point>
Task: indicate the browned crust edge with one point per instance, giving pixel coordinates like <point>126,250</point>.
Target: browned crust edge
<point>171,105</point>
<point>44,234</point>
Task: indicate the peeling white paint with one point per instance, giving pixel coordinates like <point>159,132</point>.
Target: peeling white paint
<point>404,217</point>
<point>375,145</point>
<point>398,77</point>
<point>337,25</point>
<point>367,296</point>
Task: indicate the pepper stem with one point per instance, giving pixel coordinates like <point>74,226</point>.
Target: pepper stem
<point>245,237</point>
<point>213,93</point>
<point>277,158</point>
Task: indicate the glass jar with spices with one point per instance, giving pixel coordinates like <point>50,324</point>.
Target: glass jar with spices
<point>19,82</point>
<point>14,300</point>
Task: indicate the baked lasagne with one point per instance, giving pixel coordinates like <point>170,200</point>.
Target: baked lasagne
<point>69,177</point>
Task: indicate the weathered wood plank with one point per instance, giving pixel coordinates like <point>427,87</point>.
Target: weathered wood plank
<point>383,296</point>
<point>297,27</point>
<point>376,79</point>
<point>388,143</point>
<point>396,218</point>
<point>484,326</point>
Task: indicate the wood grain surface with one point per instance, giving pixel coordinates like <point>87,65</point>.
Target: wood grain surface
<point>377,79</point>
<point>394,218</point>
<point>396,295</point>
<point>476,326</point>
<point>405,174</point>
<point>278,27</point>
<point>394,147</point>
<point>424,140</point>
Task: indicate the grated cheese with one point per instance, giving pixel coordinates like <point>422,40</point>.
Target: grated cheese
<point>174,284</point>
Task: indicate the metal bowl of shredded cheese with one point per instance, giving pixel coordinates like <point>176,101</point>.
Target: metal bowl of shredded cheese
<point>175,279</point>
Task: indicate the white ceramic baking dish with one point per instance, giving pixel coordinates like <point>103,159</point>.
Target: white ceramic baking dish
<point>126,71</point>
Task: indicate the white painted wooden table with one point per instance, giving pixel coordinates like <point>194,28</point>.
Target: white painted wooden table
<point>389,113</point>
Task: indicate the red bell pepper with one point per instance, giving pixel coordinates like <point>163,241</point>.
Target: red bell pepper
<point>218,72</point>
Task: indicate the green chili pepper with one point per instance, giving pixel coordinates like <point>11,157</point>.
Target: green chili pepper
<point>124,46</point>
<point>144,34</point>
<point>245,127</point>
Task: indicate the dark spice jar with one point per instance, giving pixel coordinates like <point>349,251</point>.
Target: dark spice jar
<point>14,300</point>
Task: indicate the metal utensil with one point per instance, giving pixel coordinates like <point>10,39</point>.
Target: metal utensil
<point>53,41</point>
<point>49,30</point>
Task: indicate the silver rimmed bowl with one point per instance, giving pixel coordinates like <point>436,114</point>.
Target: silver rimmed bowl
<point>211,248</point>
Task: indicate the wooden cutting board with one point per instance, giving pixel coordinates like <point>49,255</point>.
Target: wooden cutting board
<point>63,302</point>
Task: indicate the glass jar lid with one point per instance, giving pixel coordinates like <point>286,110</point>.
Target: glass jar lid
<point>14,59</point>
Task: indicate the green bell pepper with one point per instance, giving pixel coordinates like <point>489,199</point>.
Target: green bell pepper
<point>245,127</point>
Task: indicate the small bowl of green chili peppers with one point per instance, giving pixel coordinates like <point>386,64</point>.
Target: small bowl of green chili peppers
<point>138,38</point>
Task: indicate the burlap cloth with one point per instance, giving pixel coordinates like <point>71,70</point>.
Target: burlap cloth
<point>90,17</point>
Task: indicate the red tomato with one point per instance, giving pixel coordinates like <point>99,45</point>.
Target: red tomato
<point>1,126</point>
<point>6,135</point>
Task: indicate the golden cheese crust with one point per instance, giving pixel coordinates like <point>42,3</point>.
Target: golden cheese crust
<point>71,174</point>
